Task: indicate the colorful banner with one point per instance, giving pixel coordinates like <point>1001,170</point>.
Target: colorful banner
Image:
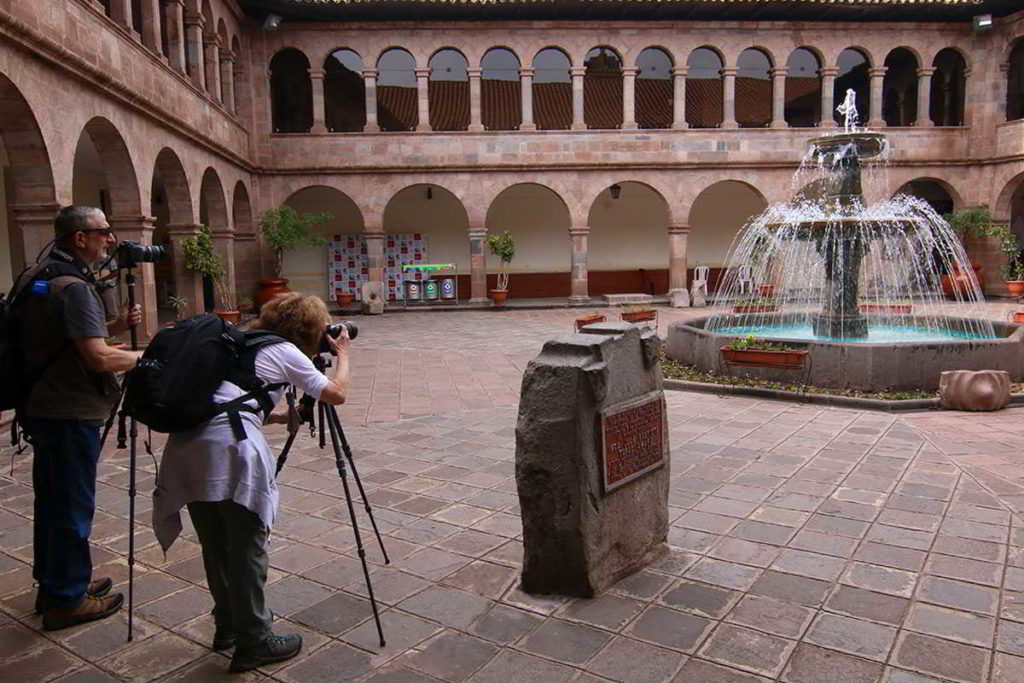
<point>348,264</point>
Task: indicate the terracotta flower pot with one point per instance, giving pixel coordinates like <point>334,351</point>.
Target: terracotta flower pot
<point>343,297</point>
<point>958,280</point>
<point>1017,317</point>
<point>1016,288</point>
<point>233,317</point>
<point>499,297</point>
<point>268,290</point>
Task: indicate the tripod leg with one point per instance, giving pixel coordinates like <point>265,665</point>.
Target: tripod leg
<point>133,432</point>
<point>333,415</point>
<point>283,458</point>
<point>352,515</point>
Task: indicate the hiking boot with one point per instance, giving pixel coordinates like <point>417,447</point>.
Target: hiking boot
<point>223,638</point>
<point>90,609</point>
<point>96,589</point>
<point>273,649</point>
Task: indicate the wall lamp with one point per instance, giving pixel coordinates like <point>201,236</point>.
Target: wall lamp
<point>982,22</point>
<point>272,22</point>
<point>615,190</point>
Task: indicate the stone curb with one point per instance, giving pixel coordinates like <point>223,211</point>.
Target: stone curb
<point>820,399</point>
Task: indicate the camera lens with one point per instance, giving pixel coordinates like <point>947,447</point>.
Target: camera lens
<point>335,332</point>
<point>129,254</point>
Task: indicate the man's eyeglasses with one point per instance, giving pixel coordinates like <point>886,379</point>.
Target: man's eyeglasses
<point>107,232</point>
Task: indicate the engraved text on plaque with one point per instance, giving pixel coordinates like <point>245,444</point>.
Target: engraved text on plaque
<point>632,439</point>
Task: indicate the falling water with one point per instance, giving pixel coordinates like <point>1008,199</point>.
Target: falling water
<point>826,265</point>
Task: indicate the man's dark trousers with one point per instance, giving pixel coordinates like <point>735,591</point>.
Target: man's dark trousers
<point>64,481</point>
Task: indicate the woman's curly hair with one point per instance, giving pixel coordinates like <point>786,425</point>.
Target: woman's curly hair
<point>299,318</point>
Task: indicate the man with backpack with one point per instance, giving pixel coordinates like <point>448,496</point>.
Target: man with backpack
<point>67,390</point>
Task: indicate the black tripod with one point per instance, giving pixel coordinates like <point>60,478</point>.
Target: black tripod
<point>328,413</point>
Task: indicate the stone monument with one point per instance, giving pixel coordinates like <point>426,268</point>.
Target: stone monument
<point>592,460</point>
<point>974,389</point>
<point>372,298</point>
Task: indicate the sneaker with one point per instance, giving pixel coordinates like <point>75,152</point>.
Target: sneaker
<point>223,638</point>
<point>90,609</point>
<point>273,649</point>
<point>96,589</point>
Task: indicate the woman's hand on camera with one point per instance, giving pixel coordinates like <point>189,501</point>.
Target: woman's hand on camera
<point>340,343</point>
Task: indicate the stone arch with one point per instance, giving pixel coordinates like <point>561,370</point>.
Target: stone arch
<point>540,218</point>
<point>705,88</point>
<point>171,208</point>
<point>947,103</point>
<point>225,42</point>
<point>1002,210</point>
<point>307,266</point>
<point>754,88</point>
<point>397,94</point>
<point>1015,81</point>
<point>32,201</point>
<point>716,216</point>
<point>854,65</point>
<point>655,88</point>
<point>803,87</point>
<point>899,87</point>
<point>213,210</point>
<point>238,74</point>
<point>448,90</point>
<point>602,88</point>
<point>628,240</point>
<point>119,183</point>
<point>500,91</point>
<point>291,92</point>
<point>552,89</point>
<point>939,194</point>
<point>171,174</point>
<point>344,91</point>
<point>241,210</point>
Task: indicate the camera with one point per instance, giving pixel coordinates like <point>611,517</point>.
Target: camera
<point>130,254</point>
<point>335,332</point>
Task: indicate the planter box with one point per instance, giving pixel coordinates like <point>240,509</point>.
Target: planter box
<point>639,316</point>
<point>1017,317</point>
<point>742,308</point>
<point>895,309</point>
<point>766,290</point>
<point>585,320</point>
<point>762,358</point>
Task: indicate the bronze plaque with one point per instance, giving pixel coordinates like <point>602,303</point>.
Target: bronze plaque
<point>633,440</point>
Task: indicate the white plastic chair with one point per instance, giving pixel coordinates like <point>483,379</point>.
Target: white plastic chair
<point>745,279</point>
<point>699,286</point>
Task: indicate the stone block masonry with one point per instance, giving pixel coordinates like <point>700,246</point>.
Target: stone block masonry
<point>592,466</point>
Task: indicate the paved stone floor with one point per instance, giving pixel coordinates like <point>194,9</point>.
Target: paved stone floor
<point>809,544</point>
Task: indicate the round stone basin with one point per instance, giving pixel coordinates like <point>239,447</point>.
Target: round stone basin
<point>877,334</point>
<point>891,361</point>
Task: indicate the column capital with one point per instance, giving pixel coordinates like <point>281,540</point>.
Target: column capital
<point>373,234</point>
<point>926,72</point>
<point>119,223</point>
<point>832,71</point>
<point>577,71</point>
<point>729,71</point>
<point>211,40</point>
<point>182,229</point>
<point>49,211</point>
<point>194,19</point>
<point>877,71</point>
<point>370,73</point>
<point>477,233</point>
<point>780,72</point>
<point>630,72</point>
<point>227,56</point>
<point>422,73</point>
<point>679,71</point>
<point>474,72</point>
<point>180,3</point>
<point>579,231</point>
<point>1004,68</point>
<point>316,73</point>
<point>679,229</point>
<point>526,72</point>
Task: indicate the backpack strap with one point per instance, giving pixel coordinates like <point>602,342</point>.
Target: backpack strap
<point>243,374</point>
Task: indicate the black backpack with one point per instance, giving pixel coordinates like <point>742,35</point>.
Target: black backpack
<point>171,389</point>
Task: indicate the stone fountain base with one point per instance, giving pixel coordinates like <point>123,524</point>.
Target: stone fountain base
<point>860,365</point>
<point>832,326</point>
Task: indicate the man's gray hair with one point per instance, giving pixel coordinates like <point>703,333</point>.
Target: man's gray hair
<point>73,218</point>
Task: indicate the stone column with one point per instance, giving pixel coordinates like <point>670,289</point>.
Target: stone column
<point>579,289</point>
<point>194,54</point>
<point>121,12</point>
<point>423,98</point>
<point>475,123</point>
<point>577,73</point>
<point>188,284</point>
<point>677,238</point>
<point>227,79</point>
<point>375,255</point>
<point>34,225</point>
<point>478,265</point>
<point>924,97</point>
<point>729,98</point>
<point>877,80</point>
<point>779,98</point>
<point>211,58</point>
<point>140,229</point>
<point>316,79</point>
<point>151,25</point>
<point>224,245</point>
<point>968,117</point>
<point>828,86</point>
<point>370,84</point>
<point>679,97</point>
<point>175,13</point>
<point>629,99</point>
<point>526,98</point>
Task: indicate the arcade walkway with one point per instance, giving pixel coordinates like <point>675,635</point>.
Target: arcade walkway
<point>809,544</point>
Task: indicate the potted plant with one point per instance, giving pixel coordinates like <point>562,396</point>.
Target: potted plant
<point>179,305</point>
<point>504,247</point>
<point>983,242</point>
<point>201,257</point>
<point>755,306</point>
<point>283,229</point>
<point>245,305</point>
<point>638,313</point>
<point>751,351</point>
<point>1013,270</point>
<point>343,297</point>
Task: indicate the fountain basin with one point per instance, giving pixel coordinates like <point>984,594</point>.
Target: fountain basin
<point>862,365</point>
